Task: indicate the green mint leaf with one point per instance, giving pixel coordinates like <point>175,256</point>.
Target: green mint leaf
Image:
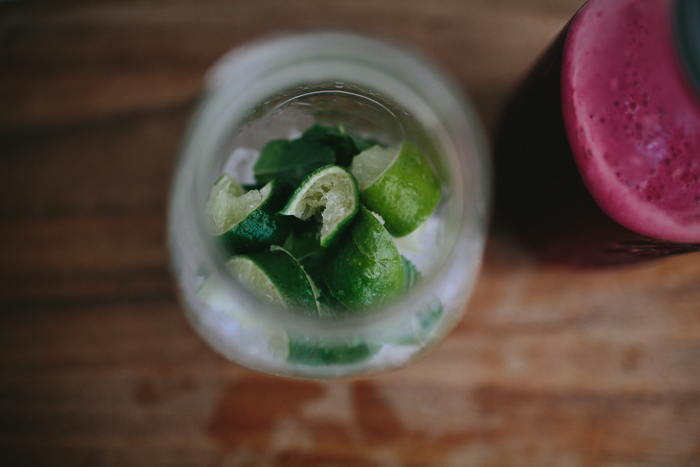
<point>411,275</point>
<point>291,161</point>
<point>304,245</point>
<point>429,317</point>
<point>336,139</point>
<point>320,132</point>
<point>273,155</point>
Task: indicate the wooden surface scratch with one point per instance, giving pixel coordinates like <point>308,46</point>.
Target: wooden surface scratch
<point>98,366</point>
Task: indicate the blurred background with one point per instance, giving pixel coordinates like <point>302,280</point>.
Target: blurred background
<point>98,366</point>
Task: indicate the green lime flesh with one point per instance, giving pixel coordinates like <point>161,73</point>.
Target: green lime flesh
<point>228,204</point>
<point>330,191</point>
<point>364,269</point>
<point>399,184</point>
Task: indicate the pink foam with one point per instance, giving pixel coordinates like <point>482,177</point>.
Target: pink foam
<point>632,118</point>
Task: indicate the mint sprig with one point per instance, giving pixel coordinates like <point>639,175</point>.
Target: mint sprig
<point>411,275</point>
<point>344,146</point>
<point>336,139</point>
<point>291,161</point>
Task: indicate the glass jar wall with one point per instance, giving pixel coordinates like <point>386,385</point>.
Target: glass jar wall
<point>278,88</point>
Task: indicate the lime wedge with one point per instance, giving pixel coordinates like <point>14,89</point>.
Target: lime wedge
<point>399,184</point>
<point>247,222</point>
<point>330,191</point>
<point>277,278</point>
<point>223,204</point>
<point>364,269</point>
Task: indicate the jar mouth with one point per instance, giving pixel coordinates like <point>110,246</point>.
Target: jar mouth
<point>250,75</point>
<point>686,19</point>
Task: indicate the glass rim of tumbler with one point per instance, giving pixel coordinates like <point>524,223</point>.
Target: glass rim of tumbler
<point>257,71</point>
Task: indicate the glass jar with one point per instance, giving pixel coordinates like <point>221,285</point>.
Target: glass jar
<point>277,88</point>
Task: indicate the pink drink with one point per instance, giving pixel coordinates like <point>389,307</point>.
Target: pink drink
<point>613,93</point>
<point>632,117</point>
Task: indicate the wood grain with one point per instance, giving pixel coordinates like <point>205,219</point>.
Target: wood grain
<point>98,366</point>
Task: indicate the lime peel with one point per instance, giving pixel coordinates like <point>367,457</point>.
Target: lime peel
<point>364,269</point>
<point>276,277</point>
<point>247,222</point>
<point>250,275</point>
<point>399,184</point>
<point>370,165</point>
<point>228,204</point>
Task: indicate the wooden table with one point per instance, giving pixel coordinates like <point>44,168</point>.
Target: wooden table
<point>98,367</point>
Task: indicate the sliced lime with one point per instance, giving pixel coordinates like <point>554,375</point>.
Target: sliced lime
<point>223,204</point>
<point>330,191</point>
<point>398,184</point>
<point>364,269</point>
<point>277,278</point>
<point>304,246</point>
<point>247,222</point>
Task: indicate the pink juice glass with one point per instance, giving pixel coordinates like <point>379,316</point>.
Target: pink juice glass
<point>598,153</point>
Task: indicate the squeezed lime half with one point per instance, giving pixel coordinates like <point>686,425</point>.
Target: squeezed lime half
<point>330,191</point>
<point>247,222</point>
